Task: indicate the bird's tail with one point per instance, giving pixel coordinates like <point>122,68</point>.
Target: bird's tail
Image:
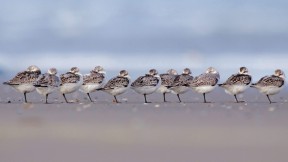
<point>253,85</point>
<point>5,83</point>
<point>8,83</point>
<point>39,85</point>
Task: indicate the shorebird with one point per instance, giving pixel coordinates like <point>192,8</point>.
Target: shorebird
<point>181,83</point>
<point>23,81</point>
<point>237,83</point>
<point>271,85</point>
<point>147,84</point>
<point>47,83</point>
<point>117,85</point>
<point>70,81</point>
<point>205,82</point>
<point>93,81</point>
<point>167,80</point>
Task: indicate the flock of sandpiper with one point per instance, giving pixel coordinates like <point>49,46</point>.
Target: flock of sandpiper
<point>170,82</point>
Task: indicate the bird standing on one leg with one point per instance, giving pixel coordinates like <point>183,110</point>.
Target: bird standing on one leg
<point>70,82</point>
<point>181,83</point>
<point>205,82</point>
<point>93,81</point>
<point>47,83</point>
<point>271,85</point>
<point>147,84</point>
<point>117,85</point>
<point>23,81</point>
<point>167,80</point>
<point>237,83</point>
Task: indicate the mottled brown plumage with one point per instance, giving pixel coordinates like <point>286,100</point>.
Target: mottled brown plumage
<point>23,81</point>
<point>147,84</point>
<point>182,80</point>
<point>167,80</point>
<point>203,80</point>
<point>238,79</point>
<point>47,80</point>
<point>117,82</point>
<point>180,83</point>
<point>147,80</point>
<point>270,81</point>
<point>271,85</point>
<point>69,77</point>
<point>93,77</point>
<point>24,77</point>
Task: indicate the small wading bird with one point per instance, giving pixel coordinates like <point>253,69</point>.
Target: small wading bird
<point>237,83</point>
<point>181,83</point>
<point>93,81</point>
<point>23,81</point>
<point>271,85</point>
<point>167,80</point>
<point>147,84</point>
<point>117,85</point>
<point>47,83</point>
<point>70,82</point>
<point>205,82</point>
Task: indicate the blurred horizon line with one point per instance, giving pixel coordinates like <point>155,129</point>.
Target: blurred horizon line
<point>140,63</point>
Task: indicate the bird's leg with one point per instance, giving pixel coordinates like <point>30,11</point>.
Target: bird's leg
<point>179,98</point>
<point>146,99</point>
<point>46,99</point>
<point>269,98</point>
<point>164,97</point>
<point>204,94</point>
<point>65,98</point>
<point>236,98</point>
<point>25,97</point>
<point>116,99</point>
<point>204,98</point>
<point>89,97</point>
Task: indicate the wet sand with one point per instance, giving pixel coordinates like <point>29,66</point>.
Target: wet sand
<point>221,131</point>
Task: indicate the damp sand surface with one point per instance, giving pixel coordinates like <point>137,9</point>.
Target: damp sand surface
<point>131,131</point>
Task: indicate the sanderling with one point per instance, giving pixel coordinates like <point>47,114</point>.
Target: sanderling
<point>93,81</point>
<point>23,81</point>
<point>271,85</point>
<point>47,83</point>
<point>117,85</point>
<point>181,83</point>
<point>205,82</point>
<point>70,81</point>
<point>237,83</point>
<point>147,84</point>
<point>167,80</point>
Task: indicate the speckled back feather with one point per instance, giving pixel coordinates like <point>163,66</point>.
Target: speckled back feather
<point>147,80</point>
<point>47,80</point>
<point>182,80</point>
<point>93,77</point>
<point>167,79</point>
<point>203,80</point>
<point>117,82</point>
<point>270,81</point>
<point>24,77</point>
<point>69,78</point>
<point>238,79</point>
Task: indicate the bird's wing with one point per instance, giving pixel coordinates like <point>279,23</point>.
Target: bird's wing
<point>117,82</point>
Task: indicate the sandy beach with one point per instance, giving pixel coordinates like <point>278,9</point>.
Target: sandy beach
<point>254,131</point>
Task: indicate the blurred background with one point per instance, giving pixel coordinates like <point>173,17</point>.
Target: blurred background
<point>139,35</point>
<point>136,35</point>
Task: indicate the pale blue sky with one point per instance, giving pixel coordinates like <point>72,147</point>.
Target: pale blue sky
<point>177,34</point>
